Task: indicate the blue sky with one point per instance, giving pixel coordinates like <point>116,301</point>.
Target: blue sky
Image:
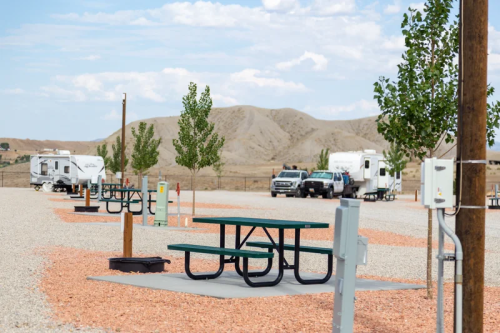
<point>65,64</point>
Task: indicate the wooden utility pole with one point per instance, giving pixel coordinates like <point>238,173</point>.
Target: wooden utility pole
<point>124,111</point>
<point>470,222</point>
<point>87,197</point>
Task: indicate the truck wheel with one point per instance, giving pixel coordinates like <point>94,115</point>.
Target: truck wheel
<point>298,193</point>
<point>273,194</point>
<point>289,195</point>
<point>37,188</point>
<point>329,194</point>
<point>303,194</point>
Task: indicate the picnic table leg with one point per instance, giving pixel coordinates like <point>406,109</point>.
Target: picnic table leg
<point>187,258</point>
<point>296,269</point>
<point>238,246</point>
<point>281,258</point>
<point>150,205</point>
<point>113,212</point>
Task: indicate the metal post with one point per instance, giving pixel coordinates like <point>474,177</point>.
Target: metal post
<point>178,205</point>
<point>440,286</point>
<point>124,111</point>
<point>99,187</point>
<point>145,197</point>
<point>245,184</point>
<point>470,225</point>
<point>458,257</point>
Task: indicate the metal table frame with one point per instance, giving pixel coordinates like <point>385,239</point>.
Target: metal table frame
<point>281,225</point>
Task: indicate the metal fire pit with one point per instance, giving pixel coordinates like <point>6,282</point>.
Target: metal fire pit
<point>141,265</point>
<point>86,209</point>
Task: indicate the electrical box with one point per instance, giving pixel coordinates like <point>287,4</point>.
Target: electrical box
<point>161,214</point>
<point>437,183</point>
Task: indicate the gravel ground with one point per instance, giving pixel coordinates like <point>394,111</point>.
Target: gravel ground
<point>28,223</point>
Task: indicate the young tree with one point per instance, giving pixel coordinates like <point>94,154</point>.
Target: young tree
<point>419,111</point>
<point>198,145</point>
<point>5,145</point>
<point>145,153</point>
<point>116,159</point>
<point>323,159</point>
<point>395,161</point>
<point>103,152</point>
<point>219,166</point>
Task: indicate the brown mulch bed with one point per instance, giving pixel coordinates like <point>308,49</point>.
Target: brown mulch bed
<point>82,302</point>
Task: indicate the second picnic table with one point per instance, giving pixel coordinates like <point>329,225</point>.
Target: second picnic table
<point>236,253</point>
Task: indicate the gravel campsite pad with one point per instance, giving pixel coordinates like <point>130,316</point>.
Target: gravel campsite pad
<point>46,260</point>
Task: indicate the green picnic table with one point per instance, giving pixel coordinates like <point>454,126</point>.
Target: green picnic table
<point>126,202</point>
<point>236,253</point>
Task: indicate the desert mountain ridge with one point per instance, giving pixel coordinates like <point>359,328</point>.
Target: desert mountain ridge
<point>253,136</point>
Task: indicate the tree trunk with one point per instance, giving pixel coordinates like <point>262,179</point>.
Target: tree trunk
<point>429,249</point>
<point>194,192</point>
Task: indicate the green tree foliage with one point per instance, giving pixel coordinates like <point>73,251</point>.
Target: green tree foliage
<point>395,161</point>
<point>116,159</point>
<point>219,165</point>
<point>103,152</point>
<point>323,158</point>
<point>5,145</point>
<point>22,159</point>
<point>198,145</point>
<point>145,153</point>
<point>419,111</point>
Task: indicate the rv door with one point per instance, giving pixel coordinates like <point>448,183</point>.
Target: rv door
<point>367,166</point>
<point>383,175</point>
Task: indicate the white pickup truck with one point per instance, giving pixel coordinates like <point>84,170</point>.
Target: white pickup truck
<point>325,183</point>
<point>288,182</point>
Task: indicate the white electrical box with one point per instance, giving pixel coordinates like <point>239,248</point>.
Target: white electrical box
<point>437,183</point>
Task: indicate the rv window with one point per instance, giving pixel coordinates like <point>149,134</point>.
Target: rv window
<point>66,169</point>
<point>367,164</point>
<point>398,175</point>
<point>382,172</point>
<point>45,169</point>
<point>57,165</point>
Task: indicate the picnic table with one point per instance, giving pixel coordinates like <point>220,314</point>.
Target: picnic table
<point>494,203</point>
<point>235,254</point>
<point>128,200</point>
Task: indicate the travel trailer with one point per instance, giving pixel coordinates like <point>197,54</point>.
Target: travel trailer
<point>60,171</point>
<point>367,169</point>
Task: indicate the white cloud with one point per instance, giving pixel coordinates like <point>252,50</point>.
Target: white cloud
<point>169,84</point>
<point>200,13</point>
<point>361,105</point>
<point>64,95</point>
<point>254,78</point>
<point>393,8</point>
<point>16,91</point>
<point>91,57</point>
<point>333,7</point>
<point>418,6</point>
<point>280,5</point>
<point>225,100</point>
<point>320,61</point>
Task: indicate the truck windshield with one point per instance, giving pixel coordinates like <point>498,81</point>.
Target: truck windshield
<point>289,174</point>
<point>324,175</point>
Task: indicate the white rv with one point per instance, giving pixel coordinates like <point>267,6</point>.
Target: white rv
<point>61,170</point>
<point>366,168</point>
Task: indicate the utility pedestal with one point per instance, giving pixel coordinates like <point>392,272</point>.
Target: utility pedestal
<point>350,250</point>
<point>161,214</point>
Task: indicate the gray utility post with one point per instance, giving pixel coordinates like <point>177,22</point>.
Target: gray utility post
<point>145,197</point>
<point>99,188</point>
<point>345,249</point>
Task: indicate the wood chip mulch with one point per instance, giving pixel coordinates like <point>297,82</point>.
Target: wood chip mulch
<point>120,308</point>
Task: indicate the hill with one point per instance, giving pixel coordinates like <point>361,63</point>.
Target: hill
<point>257,135</point>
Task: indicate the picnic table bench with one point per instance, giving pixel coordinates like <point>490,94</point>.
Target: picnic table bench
<point>390,197</point>
<point>494,203</point>
<point>371,196</point>
<point>237,253</point>
<point>128,200</point>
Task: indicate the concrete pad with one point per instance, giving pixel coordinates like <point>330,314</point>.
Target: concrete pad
<point>140,226</point>
<point>231,285</point>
